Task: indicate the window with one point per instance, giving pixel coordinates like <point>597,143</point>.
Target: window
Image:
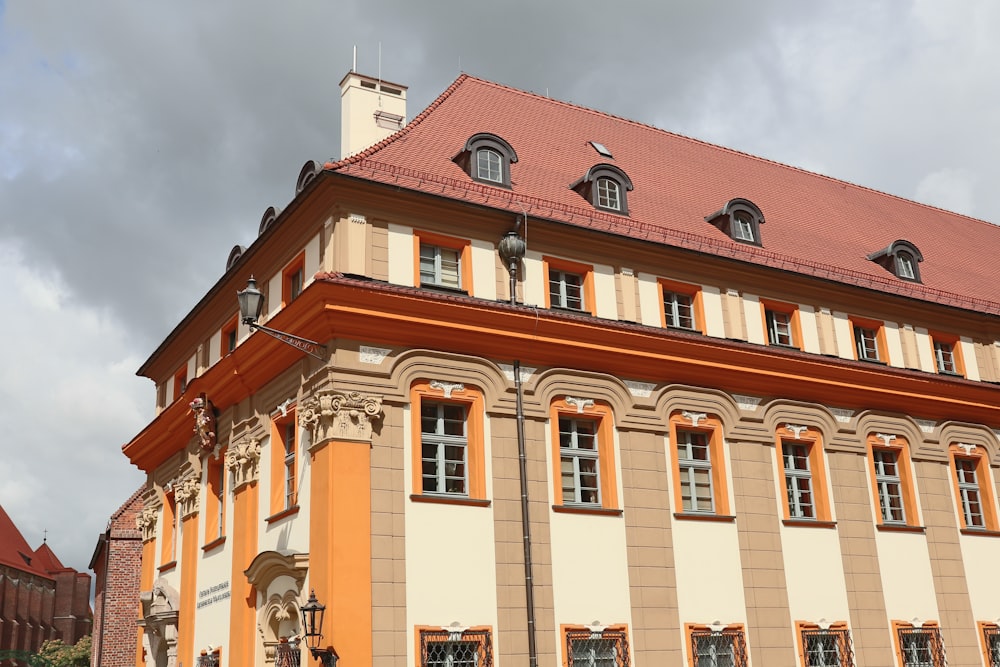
<point>605,187</point>
<point>902,258</point>
<point>442,262</point>
<point>168,546</point>
<point>293,280</point>
<point>973,491</point>
<point>597,647</point>
<point>215,512</point>
<point>869,341</point>
<point>905,266</point>
<point>571,285</point>
<point>207,659</point>
<point>804,472</point>
<point>828,646</point>
<point>289,442</point>
<point>782,323</point>
<point>448,452</point>
<point>678,308</point>
<point>919,647</point>
<point>699,470</point>
<point>740,220</point>
<point>892,482</point>
<point>180,383</point>
<point>284,462</point>
<point>991,643</point>
<point>947,354</point>
<point>717,648</point>
<point>487,158</point>
<point>446,648</point>
<point>230,332</point>
<point>583,455</point>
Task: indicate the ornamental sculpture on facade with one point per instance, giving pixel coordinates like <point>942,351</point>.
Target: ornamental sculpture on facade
<point>204,422</point>
<point>243,460</point>
<point>145,521</point>
<point>343,415</point>
<point>186,495</point>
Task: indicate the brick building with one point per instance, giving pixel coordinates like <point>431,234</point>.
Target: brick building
<point>40,598</point>
<point>116,563</point>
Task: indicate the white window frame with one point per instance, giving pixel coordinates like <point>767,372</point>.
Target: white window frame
<point>779,327</point>
<point>571,452</point>
<point>969,493</point>
<point>866,343</point>
<point>560,296</point>
<point>884,482</point>
<point>798,481</point>
<point>689,467</point>
<point>673,307</point>
<point>491,169</point>
<point>743,227</point>
<point>944,357</point>
<point>609,194</point>
<point>441,441</point>
<point>289,442</point>
<point>439,271</point>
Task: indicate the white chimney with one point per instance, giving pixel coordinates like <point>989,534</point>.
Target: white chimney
<point>370,110</point>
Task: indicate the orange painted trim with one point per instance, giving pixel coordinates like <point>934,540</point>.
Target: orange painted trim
<point>805,626</point>
<point>297,265</point>
<point>188,589</point>
<point>146,575</point>
<point>565,628</point>
<point>463,246</point>
<point>180,380</point>
<point>230,327</point>
<point>812,439</point>
<point>879,327</point>
<point>472,398</point>
<point>419,629</point>
<point>585,271</point>
<point>712,426</point>
<point>982,627</point>
<point>896,626</point>
<point>243,601</point>
<point>277,444</point>
<point>168,532</point>
<point>690,628</point>
<point>693,291</point>
<point>906,483</point>
<point>956,351</point>
<point>794,322</point>
<point>604,416</point>
<point>984,479</point>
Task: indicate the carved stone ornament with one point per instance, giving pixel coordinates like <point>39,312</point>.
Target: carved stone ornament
<point>146,522</point>
<point>160,611</point>
<point>447,387</point>
<point>243,460</point>
<point>579,403</point>
<point>694,417</point>
<point>186,495</point>
<point>340,415</point>
<point>204,422</point>
<point>797,429</point>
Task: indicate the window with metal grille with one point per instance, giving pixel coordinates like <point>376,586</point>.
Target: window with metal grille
<point>597,649</point>
<point>921,647</point>
<point>678,310</point>
<point>287,654</point>
<point>444,448</point>
<point>991,636</point>
<point>944,357</point>
<point>489,165</point>
<point>968,492</point>
<point>798,480</point>
<point>208,659</point>
<point>779,328</point>
<point>440,267</point>
<point>718,649</point>
<point>866,343</point>
<point>694,461</point>
<point>579,461</point>
<point>827,648</point>
<point>289,442</point>
<point>608,194</point>
<point>889,485</point>
<point>472,648</point>
<point>565,289</point>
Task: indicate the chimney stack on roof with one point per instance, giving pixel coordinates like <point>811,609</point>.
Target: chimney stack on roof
<point>370,110</point>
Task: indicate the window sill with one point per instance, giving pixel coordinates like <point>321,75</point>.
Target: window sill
<point>951,374</point>
<point>444,289</point>
<point>984,532</point>
<point>283,514</point>
<point>900,528</point>
<point>450,500</point>
<point>783,346</point>
<point>693,330</point>
<point>809,523</point>
<point>586,509</point>
<point>877,362</point>
<point>567,309</point>
<point>167,567</point>
<point>217,542</point>
<point>697,516</point>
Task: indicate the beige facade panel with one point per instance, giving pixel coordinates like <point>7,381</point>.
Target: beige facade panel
<point>484,269</point>
<point>893,343</point>
<point>401,260</point>
<point>843,336</point>
<point>711,298</point>
<point>753,316</point>
<point>649,300</point>
<point>605,292</point>
<point>969,353</point>
<point>810,329</point>
<point>534,281</point>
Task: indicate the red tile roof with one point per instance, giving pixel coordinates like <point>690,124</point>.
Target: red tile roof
<point>46,559</point>
<point>14,550</point>
<point>814,225</point>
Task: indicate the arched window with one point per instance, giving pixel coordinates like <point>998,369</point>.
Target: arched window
<point>740,220</point>
<point>605,187</point>
<point>902,258</point>
<point>487,158</point>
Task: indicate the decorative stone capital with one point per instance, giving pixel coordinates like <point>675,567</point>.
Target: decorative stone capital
<point>796,429</point>
<point>579,403</point>
<point>447,387</point>
<point>886,438</point>
<point>145,521</point>
<point>204,422</point>
<point>243,460</point>
<point>186,495</point>
<point>694,417</point>
<point>340,415</point>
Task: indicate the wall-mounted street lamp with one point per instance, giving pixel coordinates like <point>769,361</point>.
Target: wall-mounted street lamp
<point>312,624</point>
<point>252,303</point>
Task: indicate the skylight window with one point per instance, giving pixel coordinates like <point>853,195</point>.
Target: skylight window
<point>600,148</point>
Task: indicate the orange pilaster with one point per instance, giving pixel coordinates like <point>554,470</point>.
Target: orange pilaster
<point>188,592</point>
<point>243,603</point>
<point>145,584</point>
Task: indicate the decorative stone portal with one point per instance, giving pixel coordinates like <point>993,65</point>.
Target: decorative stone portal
<point>159,620</point>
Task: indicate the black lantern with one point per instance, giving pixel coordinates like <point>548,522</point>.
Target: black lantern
<point>251,302</point>
<point>312,625</point>
<point>512,248</point>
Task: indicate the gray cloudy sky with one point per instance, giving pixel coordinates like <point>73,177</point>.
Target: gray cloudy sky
<point>140,141</point>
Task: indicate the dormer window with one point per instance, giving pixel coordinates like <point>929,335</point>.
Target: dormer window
<point>902,258</point>
<point>487,159</point>
<point>740,220</point>
<point>604,186</point>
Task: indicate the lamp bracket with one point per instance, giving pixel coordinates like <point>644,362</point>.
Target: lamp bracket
<point>310,347</point>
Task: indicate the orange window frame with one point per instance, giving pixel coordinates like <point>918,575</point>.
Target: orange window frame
<point>905,470</point>
<point>479,634</point>
<point>603,416</point>
<point>795,326</point>
<point>984,474</point>
<point>813,440</point>
<point>565,630</point>
<point>691,628</point>
<point>801,627</point>
<point>296,266</point>
<point>180,382</point>
<point>985,629</point>
<point>215,505</point>
<point>586,273</point>
<point>279,429</point>
<point>168,534</point>
<point>956,352</point>
<point>929,625</point>
<point>711,426</point>
<point>475,447</point>
<point>463,246</point>
<point>229,330</point>
<point>697,303</point>
<point>880,341</point>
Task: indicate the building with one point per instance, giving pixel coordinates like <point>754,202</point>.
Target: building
<point>758,410</point>
<point>116,564</point>
<point>40,598</point>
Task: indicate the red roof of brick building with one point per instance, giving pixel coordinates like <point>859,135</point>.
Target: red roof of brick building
<point>15,552</point>
<point>814,225</point>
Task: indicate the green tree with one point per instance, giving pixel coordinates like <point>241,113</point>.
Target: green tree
<point>59,654</point>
